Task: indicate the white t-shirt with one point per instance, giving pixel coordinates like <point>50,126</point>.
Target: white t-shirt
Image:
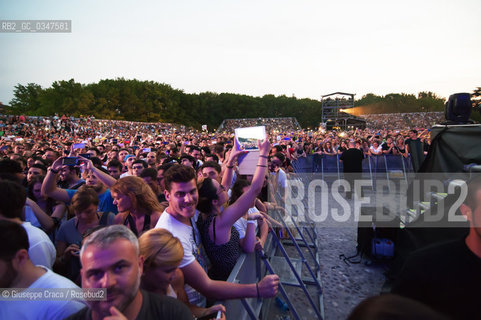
<point>278,184</point>
<point>282,182</point>
<point>43,309</point>
<point>376,150</point>
<point>30,217</point>
<point>241,224</point>
<point>125,174</point>
<point>189,236</point>
<point>282,179</point>
<point>191,242</point>
<point>42,251</point>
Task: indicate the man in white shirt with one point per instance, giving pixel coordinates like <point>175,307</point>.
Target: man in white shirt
<point>179,218</point>
<point>128,160</point>
<point>41,249</point>
<point>18,271</point>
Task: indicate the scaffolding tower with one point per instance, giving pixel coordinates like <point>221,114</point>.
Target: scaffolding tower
<point>334,107</point>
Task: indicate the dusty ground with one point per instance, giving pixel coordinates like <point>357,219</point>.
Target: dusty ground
<point>344,285</point>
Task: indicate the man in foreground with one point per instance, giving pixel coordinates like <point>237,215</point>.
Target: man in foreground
<point>110,259</point>
<point>18,271</point>
<point>41,250</point>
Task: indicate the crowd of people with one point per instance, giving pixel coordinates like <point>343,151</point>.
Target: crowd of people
<point>403,120</point>
<point>271,124</point>
<point>153,212</point>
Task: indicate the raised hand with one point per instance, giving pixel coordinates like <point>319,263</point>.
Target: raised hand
<point>57,164</point>
<point>264,147</point>
<point>88,163</point>
<point>234,153</point>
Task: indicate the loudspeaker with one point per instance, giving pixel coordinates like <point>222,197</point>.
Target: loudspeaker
<point>458,108</point>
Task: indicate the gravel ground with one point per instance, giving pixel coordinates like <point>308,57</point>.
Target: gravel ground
<point>344,285</point>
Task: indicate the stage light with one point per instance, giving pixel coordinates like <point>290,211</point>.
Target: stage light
<point>458,108</point>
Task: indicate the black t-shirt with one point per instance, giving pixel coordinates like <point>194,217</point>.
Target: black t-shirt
<point>385,147</point>
<point>352,160</point>
<point>416,151</point>
<point>153,307</point>
<point>446,277</point>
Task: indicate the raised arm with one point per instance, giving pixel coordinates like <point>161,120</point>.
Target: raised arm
<point>264,232</point>
<point>49,187</point>
<point>235,211</point>
<point>45,220</point>
<point>105,178</point>
<point>59,211</point>
<point>249,241</point>
<point>229,165</point>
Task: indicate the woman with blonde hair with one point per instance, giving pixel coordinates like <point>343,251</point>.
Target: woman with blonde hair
<point>137,204</point>
<point>401,147</point>
<point>162,254</point>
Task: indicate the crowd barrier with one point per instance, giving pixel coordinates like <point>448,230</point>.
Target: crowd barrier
<point>294,268</point>
<point>274,259</point>
<point>371,165</point>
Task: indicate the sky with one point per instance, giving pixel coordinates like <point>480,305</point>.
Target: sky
<point>301,48</point>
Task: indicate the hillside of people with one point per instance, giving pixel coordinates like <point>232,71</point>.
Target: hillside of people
<point>148,101</point>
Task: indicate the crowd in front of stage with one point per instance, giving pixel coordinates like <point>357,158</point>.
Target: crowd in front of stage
<point>156,213</point>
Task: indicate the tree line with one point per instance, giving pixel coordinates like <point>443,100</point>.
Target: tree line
<point>150,101</point>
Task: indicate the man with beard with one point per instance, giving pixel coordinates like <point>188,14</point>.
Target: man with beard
<point>36,170</point>
<point>50,155</point>
<point>18,271</point>
<point>95,177</point>
<point>110,259</point>
<point>70,177</point>
<point>152,159</point>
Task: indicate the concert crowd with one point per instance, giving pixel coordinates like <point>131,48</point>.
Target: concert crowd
<point>156,213</point>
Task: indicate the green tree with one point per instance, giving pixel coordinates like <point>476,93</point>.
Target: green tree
<point>26,99</point>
